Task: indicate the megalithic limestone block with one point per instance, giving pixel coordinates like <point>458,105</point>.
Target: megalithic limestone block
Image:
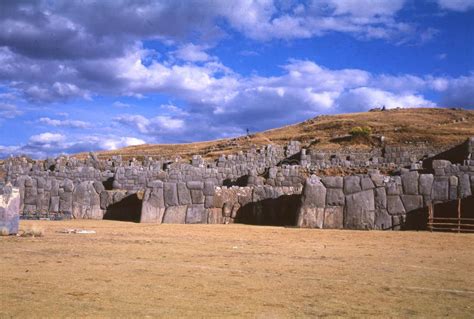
<point>9,210</point>
<point>153,206</point>
<point>313,201</point>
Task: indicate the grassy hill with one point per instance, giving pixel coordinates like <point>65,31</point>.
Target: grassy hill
<point>430,126</point>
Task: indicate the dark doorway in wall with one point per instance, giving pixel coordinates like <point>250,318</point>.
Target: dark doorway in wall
<point>416,219</point>
<point>108,184</point>
<point>128,209</point>
<point>455,215</point>
<point>281,211</point>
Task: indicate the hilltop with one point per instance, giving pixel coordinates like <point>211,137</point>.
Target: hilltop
<point>430,126</point>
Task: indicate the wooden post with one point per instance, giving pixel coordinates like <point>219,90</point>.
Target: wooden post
<point>430,216</point>
<point>459,215</point>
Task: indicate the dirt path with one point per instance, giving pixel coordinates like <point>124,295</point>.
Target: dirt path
<point>138,270</point>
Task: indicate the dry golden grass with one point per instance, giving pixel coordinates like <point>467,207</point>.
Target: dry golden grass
<point>4,231</point>
<point>140,270</point>
<point>434,126</point>
<point>31,230</point>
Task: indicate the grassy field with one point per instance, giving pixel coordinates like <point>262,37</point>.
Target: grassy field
<point>431,126</point>
<point>139,270</point>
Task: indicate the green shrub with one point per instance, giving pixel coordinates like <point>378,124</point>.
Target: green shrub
<point>360,131</point>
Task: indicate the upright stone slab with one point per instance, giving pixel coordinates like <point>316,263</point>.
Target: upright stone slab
<point>9,210</point>
<point>313,201</point>
<point>360,210</point>
<point>175,215</point>
<point>153,206</point>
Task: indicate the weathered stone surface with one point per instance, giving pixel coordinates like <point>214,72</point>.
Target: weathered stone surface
<point>175,215</point>
<point>440,190</point>
<point>197,196</point>
<point>196,214</point>
<point>412,202</point>
<point>410,183</point>
<point>65,201</point>
<point>314,193</point>
<point>9,210</point>
<point>360,210</point>
<point>333,181</point>
<point>86,202</point>
<point>380,198</point>
<point>184,196</point>
<point>54,204</point>
<point>366,183</point>
<point>441,164</point>
<point>377,179</point>
<point>197,185</point>
<point>335,197</point>
<point>464,186</point>
<point>311,217</point>
<point>395,205</point>
<point>333,217</point>
<point>214,216</point>
<point>209,187</point>
<point>394,186</point>
<point>453,187</point>
<point>383,220</point>
<point>352,184</point>
<point>99,187</point>
<point>153,206</point>
<point>426,183</point>
<point>170,192</point>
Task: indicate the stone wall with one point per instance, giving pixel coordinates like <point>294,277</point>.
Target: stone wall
<point>159,190</point>
<point>381,202</point>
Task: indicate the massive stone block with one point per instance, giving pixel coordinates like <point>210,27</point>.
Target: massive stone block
<point>426,183</point>
<point>380,198</point>
<point>360,210</point>
<point>175,215</point>
<point>464,186</point>
<point>170,192</point>
<point>311,217</point>
<point>333,217</point>
<point>440,189</point>
<point>335,197</point>
<point>86,202</point>
<point>412,202</point>
<point>333,181</point>
<point>410,183</point>
<point>197,196</point>
<point>153,206</point>
<point>395,205</point>
<point>184,196</point>
<point>196,214</point>
<point>313,201</point>
<point>383,220</point>
<point>352,184</point>
<point>9,210</point>
<point>214,216</point>
<point>366,183</point>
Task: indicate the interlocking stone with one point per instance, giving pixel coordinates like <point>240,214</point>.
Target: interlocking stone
<point>360,210</point>
<point>352,184</point>
<point>410,183</point>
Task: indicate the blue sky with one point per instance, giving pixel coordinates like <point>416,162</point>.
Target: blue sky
<point>94,75</point>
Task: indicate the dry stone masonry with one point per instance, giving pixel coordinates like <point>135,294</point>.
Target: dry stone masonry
<point>274,185</point>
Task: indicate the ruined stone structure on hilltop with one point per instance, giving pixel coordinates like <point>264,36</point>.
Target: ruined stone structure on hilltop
<point>270,186</point>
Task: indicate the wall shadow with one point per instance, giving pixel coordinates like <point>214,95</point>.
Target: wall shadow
<point>416,220</point>
<point>128,209</point>
<point>455,155</point>
<point>281,211</point>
